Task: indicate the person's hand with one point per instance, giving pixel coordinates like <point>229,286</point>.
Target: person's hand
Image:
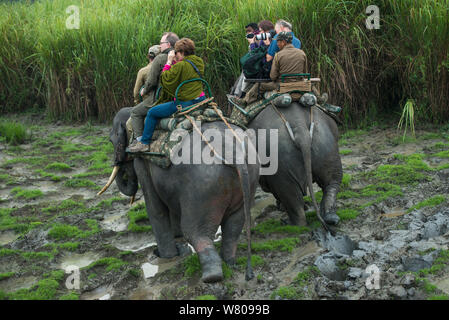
<point>171,57</point>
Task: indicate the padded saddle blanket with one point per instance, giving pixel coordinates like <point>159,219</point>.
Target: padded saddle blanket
<point>247,114</point>
<point>161,145</point>
<point>253,109</point>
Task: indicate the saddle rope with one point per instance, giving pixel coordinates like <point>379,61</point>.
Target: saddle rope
<point>214,105</point>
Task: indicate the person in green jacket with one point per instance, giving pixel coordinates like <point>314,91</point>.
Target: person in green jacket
<point>182,64</point>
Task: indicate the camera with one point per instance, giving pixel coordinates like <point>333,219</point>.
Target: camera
<point>263,36</point>
<point>250,35</point>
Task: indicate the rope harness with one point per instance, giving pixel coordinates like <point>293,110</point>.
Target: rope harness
<point>214,106</point>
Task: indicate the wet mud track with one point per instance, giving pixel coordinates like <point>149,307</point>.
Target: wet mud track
<point>393,205</point>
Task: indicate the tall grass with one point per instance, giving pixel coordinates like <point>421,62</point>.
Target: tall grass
<point>407,118</point>
<point>90,72</point>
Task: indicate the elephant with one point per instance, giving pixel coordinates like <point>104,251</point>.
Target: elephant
<point>303,159</point>
<point>192,200</point>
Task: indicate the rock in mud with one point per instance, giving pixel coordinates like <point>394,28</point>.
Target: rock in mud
<point>322,290</point>
<point>359,254</point>
<point>33,240</point>
<point>340,244</point>
<point>437,225</point>
<point>423,245</point>
<point>432,230</point>
<point>355,273</point>
<point>327,264</point>
<point>398,292</point>
<point>369,247</point>
<point>408,280</point>
<point>415,264</point>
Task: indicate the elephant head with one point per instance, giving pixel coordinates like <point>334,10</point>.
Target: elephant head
<point>123,173</point>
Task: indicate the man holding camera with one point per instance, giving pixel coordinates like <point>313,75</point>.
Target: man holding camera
<point>261,37</point>
<point>288,60</point>
<point>258,36</point>
<point>251,31</point>
<point>281,26</point>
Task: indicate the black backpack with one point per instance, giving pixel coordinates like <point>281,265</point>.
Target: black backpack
<point>252,63</point>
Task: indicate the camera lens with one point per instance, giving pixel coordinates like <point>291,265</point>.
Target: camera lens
<point>250,35</point>
<point>262,36</point>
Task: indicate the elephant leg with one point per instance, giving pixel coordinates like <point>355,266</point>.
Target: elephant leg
<point>293,202</point>
<point>157,213</point>
<point>199,230</point>
<point>175,220</point>
<point>328,208</point>
<point>295,210</point>
<point>288,193</point>
<point>231,228</point>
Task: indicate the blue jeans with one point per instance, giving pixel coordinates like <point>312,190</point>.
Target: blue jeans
<point>162,111</point>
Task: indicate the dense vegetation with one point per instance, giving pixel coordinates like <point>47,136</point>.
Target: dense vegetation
<point>89,72</point>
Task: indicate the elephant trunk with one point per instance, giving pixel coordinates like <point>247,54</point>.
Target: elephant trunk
<point>127,179</point>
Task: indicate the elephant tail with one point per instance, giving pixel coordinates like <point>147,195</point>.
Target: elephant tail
<point>242,170</point>
<point>304,143</point>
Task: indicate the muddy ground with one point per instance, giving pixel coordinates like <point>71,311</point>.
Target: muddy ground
<point>393,206</point>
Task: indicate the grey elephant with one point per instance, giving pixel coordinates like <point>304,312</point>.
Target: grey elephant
<point>303,160</point>
<point>190,200</point>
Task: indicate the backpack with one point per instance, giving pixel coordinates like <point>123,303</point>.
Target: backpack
<point>252,62</point>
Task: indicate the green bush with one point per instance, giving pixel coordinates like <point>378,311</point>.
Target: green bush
<point>14,133</point>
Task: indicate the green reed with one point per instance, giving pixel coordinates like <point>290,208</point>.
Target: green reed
<point>90,72</point>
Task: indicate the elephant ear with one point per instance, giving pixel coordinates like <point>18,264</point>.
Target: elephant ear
<point>120,144</point>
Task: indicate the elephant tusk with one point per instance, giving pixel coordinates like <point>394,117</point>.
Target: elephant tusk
<point>132,200</point>
<point>110,181</point>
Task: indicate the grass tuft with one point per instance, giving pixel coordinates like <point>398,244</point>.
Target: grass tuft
<point>13,132</point>
<point>26,194</point>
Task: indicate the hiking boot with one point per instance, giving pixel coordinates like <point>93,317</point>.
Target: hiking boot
<point>238,101</point>
<point>322,99</point>
<point>133,144</point>
<point>139,147</point>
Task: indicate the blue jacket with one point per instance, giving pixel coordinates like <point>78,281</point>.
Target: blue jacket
<point>273,48</point>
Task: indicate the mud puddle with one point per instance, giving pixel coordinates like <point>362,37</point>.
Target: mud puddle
<point>78,260</point>
<point>116,222</point>
<point>14,284</point>
<point>100,293</point>
<point>134,242</point>
<point>7,237</point>
<point>157,266</point>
